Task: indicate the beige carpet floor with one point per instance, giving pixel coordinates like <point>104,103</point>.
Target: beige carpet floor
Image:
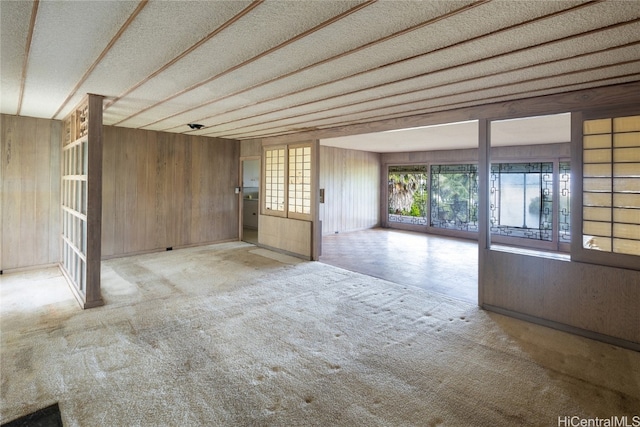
<point>234,335</point>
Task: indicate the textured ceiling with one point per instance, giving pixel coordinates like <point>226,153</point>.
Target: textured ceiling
<point>254,69</point>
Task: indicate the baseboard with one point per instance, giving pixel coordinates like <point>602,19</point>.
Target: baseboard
<point>283,252</point>
<point>157,250</point>
<point>28,268</point>
<point>565,328</point>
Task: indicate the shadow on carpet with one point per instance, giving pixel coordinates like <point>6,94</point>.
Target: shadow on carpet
<point>45,417</point>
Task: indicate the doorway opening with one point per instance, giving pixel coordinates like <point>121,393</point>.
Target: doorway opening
<point>250,199</point>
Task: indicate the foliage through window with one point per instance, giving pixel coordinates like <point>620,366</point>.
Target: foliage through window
<point>408,194</point>
<point>454,197</point>
<point>521,200</point>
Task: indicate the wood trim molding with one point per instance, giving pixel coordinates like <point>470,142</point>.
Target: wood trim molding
<point>255,58</point>
<point>27,50</point>
<point>100,57</point>
<point>443,69</point>
<point>452,84</point>
<point>212,34</point>
<point>94,202</point>
<point>484,170</point>
<point>242,64</point>
<point>578,252</point>
<point>325,61</point>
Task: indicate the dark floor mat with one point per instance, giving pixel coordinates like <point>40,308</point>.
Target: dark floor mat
<point>45,417</point>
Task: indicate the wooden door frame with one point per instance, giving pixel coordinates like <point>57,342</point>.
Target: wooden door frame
<point>241,196</point>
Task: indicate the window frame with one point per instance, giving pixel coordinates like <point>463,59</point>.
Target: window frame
<point>386,199</point>
<point>286,213</point>
<point>293,214</point>
<point>453,231</point>
<point>263,190</point>
<point>554,245</point>
<point>546,245</point>
<point>578,252</point>
<point>563,246</point>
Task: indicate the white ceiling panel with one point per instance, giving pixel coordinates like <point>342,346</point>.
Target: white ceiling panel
<point>379,99</point>
<point>270,24</point>
<point>471,52</point>
<point>254,69</point>
<point>344,116</point>
<point>429,37</point>
<point>323,74</point>
<point>136,55</point>
<point>464,79</point>
<point>304,52</point>
<point>66,41</point>
<point>14,31</point>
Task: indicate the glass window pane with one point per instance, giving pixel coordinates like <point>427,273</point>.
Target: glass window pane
<point>626,200</point>
<point>626,124</point>
<point>631,216</point>
<point>407,197</point>
<point>596,199</point>
<point>626,169</point>
<point>597,156</point>
<point>626,155</point>
<point>626,139</point>
<point>596,184</point>
<point>597,126</point>
<point>626,231</point>
<point>625,246</point>
<point>454,197</point>
<point>522,200</point>
<point>630,185</point>
<point>596,228</point>
<point>598,243</point>
<point>596,170</point>
<point>596,214</point>
<point>564,203</point>
<point>597,141</point>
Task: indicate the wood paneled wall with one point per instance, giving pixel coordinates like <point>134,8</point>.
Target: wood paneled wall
<point>251,148</point>
<point>159,190</point>
<point>587,297</point>
<point>351,183</point>
<point>30,192</point>
<point>286,234</point>
<point>164,190</point>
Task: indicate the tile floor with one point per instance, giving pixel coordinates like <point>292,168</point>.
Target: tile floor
<point>445,265</point>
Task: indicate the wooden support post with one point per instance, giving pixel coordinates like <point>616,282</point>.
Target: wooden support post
<point>81,201</point>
